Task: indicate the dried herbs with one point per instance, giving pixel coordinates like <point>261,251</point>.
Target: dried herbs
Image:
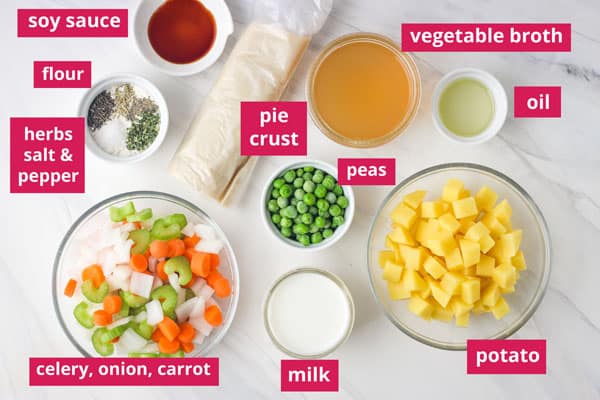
<point>143,131</point>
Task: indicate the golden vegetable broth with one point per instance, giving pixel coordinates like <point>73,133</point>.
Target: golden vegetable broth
<point>362,91</point>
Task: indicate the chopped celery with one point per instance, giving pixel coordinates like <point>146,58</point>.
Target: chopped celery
<point>167,296</point>
<point>101,347</point>
<point>142,355</point>
<point>92,293</point>
<point>137,310</point>
<point>124,311</point>
<point>118,214</point>
<point>133,300</point>
<point>178,219</point>
<point>163,231</point>
<point>144,329</point>
<point>82,316</point>
<point>181,265</point>
<point>189,293</point>
<point>179,354</point>
<point>140,216</point>
<point>113,333</point>
<point>141,238</point>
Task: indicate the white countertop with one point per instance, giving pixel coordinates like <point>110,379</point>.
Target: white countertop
<point>556,160</point>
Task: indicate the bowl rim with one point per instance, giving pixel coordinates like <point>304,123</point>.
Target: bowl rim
<point>156,195</point>
<point>337,234</point>
<point>543,226</point>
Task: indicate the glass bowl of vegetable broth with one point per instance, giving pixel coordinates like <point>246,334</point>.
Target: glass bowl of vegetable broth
<point>95,239</point>
<point>533,275</point>
<point>304,207</point>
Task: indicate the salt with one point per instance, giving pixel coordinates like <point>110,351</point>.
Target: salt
<point>112,137</point>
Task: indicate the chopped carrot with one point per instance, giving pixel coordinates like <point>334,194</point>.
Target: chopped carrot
<point>187,333</point>
<point>222,287</point>
<point>213,316</point>
<point>189,253</point>
<point>137,224</point>
<point>157,335</point>
<point>190,283</point>
<point>95,273</point>
<point>112,304</point>
<point>70,287</point>
<point>160,271</point>
<point>215,260</point>
<point>212,278</point>
<point>176,247</point>
<point>169,328</point>
<point>201,264</point>
<point>168,346</point>
<point>187,347</point>
<point>159,249</point>
<point>147,253</point>
<point>191,241</point>
<point>138,262</point>
<point>102,318</point>
<point>115,340</point>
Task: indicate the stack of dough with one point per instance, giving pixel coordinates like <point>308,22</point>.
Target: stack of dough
<point>258,69</point>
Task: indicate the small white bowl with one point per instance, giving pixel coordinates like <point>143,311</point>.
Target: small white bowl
<point>498,95</point>
<point>224,28</point>
<point>152,91</point>
<point>337,234</point>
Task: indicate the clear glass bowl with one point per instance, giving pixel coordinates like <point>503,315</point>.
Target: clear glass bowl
<point>535,245</point>
<point>67,263</point>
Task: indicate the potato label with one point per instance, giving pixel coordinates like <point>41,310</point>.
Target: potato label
<point>506,357</point>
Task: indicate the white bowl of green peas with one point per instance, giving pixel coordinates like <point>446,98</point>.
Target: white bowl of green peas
<point>304,206</point>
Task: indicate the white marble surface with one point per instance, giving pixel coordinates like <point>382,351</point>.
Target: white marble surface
<point>557,161</point>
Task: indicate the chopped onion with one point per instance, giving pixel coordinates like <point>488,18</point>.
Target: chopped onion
<point>115,283</point>
<point>155,312</point>
<point>198,310</point>
<point>141,316</point>
<point>174,281</point>
<point>152,264</point>
<point>206,292</point>
<point>209,246</point>
<point>131,341</point>
<point>200,324</point>
<point>157,282</point>
<point>119,322</point>
<point>188,230</point>
<point>151,348</point>
<point>211,302</point>
<point>128,227</point>
<point>123,251</point>
<point>198,339</point>
<point>206,232</point>
<point>141,284</point>
<point>108,260</point>
<point>198,284</point>
<point>183,311</point>
<point>122,272</point>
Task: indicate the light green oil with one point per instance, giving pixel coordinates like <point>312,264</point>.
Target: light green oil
<point>466,107</point>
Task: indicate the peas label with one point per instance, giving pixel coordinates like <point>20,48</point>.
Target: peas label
<point>367,171</point>
<point>273,128</point>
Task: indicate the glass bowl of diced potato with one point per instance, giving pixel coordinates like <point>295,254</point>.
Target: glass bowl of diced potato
<point>456,252</point>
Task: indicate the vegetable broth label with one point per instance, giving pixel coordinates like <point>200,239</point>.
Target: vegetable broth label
<point>486,37</point>
<point>537,102</point>
<point>506,357</point>
<point>310,375</point>
<point>72,22</point>
<point>124,371</point>
<point>62,74</point>
<point>273,128</point>
<point>367,171</point>
<point>47,155</point>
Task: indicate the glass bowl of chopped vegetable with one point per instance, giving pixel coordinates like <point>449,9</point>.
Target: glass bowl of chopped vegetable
<point>456,252</point>
<point>304,206</point>
<point>126,118</point>
<point>145,274</point>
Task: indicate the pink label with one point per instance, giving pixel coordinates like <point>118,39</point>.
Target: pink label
<point>486,37</point>
<point>309,375</point>
<point>47,155</point>
<point>537,102</point>
<point>80,22</point>
<point>124,371</point>
<point>62,74</point>
<point>506,357</point>
<point>273,128</point>
<point>366,171</point>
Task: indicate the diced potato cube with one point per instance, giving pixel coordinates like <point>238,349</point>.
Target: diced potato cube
<point>470,271</point>
<point>479,308</point>
<point>423,229</point>
<point>470,252</point>
<point>470,290</point>
<point>401,235</point>
<point>385,256</point>
<point>390,244</point>
<point>459,307</point>
<point>398,291</point>
<point>413,257</point>
<point>508,290</point>
<point>452,190</point>
<point>486,243</point>
<point>434,267</point>
<point>439,294</point>
<point>454,261</point>
<point>511,242</point>
<point>431,209</point>
<point>441,244</point>
<point>441,314</point>
<point>490,295</point>
<point>462,320</point>
<point>504,275</point>
<point>392,272</point>
<point>485,266</point>
<point>477,231</point>
<point>425,293</point>
<point>519,261</point>
<point>414,199</point>
<point>413,281</point>
<point>449,223</point>
<point>404,215</point>
<point>420,307</point>
<point>451,283</point>
<point>503,212</point>
<point>486,198</point>
<point>500,309</point>
<point>464,208</point>
<point>464,194</point>
<point>493,224</point>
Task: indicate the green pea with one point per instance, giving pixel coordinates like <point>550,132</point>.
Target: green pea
<point>277,183</point>
<point>306,219</point>
<point>310,199</point>
<point>303,239</point>
<point>335,210</point>
<point>276,218</point>
<point>298,182</point>
<point>324,213</point>
<point>309,169</point>
<point>322,204</point>
<point>327,233</point>
<point>286,231</point>
<point>286,222</point>
<point>338,220</point>
<point>331,197</point>
<point>327,223</point>
<point>282,202</point>
<point>313,210</point>
<point>320,222</point>
<point>309,186</point>
<point>299,194</point>
<point>316,237</point>
<point>289,176</point>
<point>290,212</point>
<point>275,193</point>
<point>300,229</point>
<point>320,191</point>
<point>318,177</point>
<point>342,201</point>
<point>338,190</point>
<point>314,228</point>
<point>299,172</point>
<point>297,220</point>
<point>294,201</point>
<point>285,190</point>
<point>301,207</point>
<point>329,182</point>
<point>273,206</point>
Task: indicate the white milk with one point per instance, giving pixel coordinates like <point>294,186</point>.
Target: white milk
<point>309,313</point>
